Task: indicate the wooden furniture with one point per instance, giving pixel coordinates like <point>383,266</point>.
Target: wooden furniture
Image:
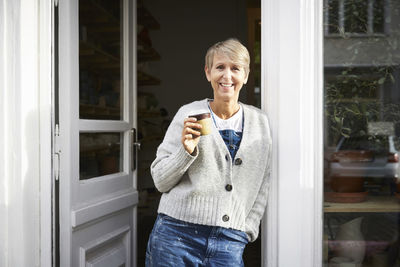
<point>372,204</point>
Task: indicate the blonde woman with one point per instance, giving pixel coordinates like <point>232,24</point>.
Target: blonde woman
<point>215,186</point>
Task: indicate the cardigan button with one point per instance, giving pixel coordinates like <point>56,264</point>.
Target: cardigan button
<point>225,218</point>
<point>228,187</point>
<point>238,161</point>
<point>227,157</point>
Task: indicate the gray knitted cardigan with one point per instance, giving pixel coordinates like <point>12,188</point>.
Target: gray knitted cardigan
<point>194,186</point>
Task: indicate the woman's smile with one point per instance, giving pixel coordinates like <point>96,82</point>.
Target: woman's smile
<point>226,86</point>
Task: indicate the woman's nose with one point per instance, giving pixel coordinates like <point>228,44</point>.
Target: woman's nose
<point>227,73</point>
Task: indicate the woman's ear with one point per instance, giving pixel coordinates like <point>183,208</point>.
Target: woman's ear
<point>207,73</point>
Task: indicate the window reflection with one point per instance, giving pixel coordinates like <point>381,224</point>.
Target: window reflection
<point>357,17</point>
<point>100,60</point>
<point>100,154</point>
<point>361,133</point>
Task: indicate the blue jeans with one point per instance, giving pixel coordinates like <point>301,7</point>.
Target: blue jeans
<point>177,243</point>
<point>232,140</point>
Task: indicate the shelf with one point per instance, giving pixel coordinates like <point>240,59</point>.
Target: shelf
<point>151,138</point>
<point>148,114</point>
<point>100,31</point>
<point>146,79</point>
<point>87,111</point>
<point>91,50</point>
<point>148,54</point>
<point>99,22</point>
<point>93,58</point>
<point>97,148</point>
<point>372,204</point>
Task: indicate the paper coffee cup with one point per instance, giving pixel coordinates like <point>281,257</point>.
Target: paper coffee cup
<point>205,120</point>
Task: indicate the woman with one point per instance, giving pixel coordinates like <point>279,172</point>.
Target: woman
<point>215,186</point>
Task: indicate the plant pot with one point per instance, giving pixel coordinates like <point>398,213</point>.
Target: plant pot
<point>350,241</point>
<point>347,184</point>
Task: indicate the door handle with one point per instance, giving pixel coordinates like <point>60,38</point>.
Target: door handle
<point>137,145</point>
<point>135,148</point>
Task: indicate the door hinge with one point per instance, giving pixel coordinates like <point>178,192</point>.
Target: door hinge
<point>57,153</point>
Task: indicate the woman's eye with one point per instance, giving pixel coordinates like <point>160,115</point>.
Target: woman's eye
<point>220,67</point>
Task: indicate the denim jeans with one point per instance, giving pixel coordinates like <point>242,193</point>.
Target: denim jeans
<point>232,140</point>
<point>177,243</point>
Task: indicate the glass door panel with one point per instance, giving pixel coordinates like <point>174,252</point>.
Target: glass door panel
<point>361,133</point>
<point>100,60</point>
<point>100,154</point>
<point>100,85</point>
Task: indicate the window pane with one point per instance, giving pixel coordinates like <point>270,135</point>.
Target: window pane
<point>100,154</point>
<point>356,16</point>
<point>333,16</point>
<point>361,140</point>
<point>100,59</point>
<point>361,17</point>
<point>378,12</point>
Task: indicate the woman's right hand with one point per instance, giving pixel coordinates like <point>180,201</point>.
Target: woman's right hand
<point>190,135</point>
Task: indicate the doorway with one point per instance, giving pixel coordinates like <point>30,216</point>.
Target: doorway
<point>172,40</point>
<point>103,193</point>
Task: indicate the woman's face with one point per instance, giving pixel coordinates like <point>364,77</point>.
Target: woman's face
<point>226,78</point>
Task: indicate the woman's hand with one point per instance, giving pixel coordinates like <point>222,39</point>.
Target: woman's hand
<point>190,135</point>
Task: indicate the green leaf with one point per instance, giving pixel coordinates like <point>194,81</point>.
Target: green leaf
<point>350,110</point>
<point>381,80</point>
<point>392,78</point>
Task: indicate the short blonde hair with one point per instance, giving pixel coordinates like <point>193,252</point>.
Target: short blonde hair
<point>232,48</point>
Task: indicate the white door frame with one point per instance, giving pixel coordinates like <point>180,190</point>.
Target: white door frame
<point>25,133</point>
<point>46,94</point>
<point>292,82</point>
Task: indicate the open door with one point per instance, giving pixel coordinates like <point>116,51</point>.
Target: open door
<point>96,142</point>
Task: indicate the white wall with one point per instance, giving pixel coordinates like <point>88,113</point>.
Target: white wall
<point>187,30</point>
<point>21,107</point>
